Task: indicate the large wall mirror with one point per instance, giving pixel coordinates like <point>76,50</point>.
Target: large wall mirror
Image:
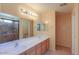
<point>40,26</point>
<point>27,28</point>
<point>9,27</point>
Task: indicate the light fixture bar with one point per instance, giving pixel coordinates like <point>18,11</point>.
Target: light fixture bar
<point>28,12</point>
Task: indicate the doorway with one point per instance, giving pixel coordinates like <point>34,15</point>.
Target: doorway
<point>64,31</point>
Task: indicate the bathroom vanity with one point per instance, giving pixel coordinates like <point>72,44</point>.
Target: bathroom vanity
<point>36,45</point>
<point>38,49</point>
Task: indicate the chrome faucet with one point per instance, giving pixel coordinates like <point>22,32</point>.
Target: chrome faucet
<point>16,44</point>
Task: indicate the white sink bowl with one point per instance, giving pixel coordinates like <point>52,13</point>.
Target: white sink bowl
<point>7,46</point>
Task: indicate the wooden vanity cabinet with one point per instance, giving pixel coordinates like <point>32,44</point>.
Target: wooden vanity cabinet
<point>39,49</point>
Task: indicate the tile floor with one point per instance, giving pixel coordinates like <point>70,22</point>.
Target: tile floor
<point>59,51</point>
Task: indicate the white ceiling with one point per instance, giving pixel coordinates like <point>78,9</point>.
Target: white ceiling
<point>44,7</point>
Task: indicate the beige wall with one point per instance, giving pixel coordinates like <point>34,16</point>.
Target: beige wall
<point>24,6</point>
<point>14,9</point>
<point>9,8</point>
<point>50,17</point>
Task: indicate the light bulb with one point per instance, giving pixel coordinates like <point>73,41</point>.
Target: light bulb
<point>46,22</point>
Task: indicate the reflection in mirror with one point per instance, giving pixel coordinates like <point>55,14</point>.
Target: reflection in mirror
<point>27,28</point>
<point>40,26</point>
<point>45,27</point>
<point>9,28</point>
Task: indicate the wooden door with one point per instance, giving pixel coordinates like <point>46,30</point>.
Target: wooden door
<point>64,29</point>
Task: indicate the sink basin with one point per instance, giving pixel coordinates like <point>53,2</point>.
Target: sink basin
<point>7,47</point>
<point>28,41</point>
<point>3,53</point>
<point>12,50</point>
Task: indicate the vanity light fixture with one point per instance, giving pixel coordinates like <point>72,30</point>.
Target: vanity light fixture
<point>28,12</point>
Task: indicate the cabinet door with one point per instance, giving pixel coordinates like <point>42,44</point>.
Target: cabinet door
<point>44,48</point>
<point>31,51</point>
<point>39,49</point>
<point>47,42</point>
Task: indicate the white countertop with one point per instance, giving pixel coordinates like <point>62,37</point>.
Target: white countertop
<point>18,46</point>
